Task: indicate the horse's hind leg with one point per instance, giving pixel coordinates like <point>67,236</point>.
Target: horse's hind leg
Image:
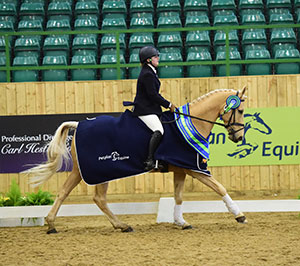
<point>179,179</point>
<point>221,190</point>
<point>72,181</point>
<point>100,200</point>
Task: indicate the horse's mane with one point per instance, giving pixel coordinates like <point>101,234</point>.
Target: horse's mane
<point>205,96</point>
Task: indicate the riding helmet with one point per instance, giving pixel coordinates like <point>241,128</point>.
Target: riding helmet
<point>147,52</point>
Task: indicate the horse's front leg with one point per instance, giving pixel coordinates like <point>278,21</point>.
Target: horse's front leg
<point>100,200</point>
<point>220,189</point>
<point>179,179</point>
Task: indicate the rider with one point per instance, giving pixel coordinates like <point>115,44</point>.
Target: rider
<point>148,101</point>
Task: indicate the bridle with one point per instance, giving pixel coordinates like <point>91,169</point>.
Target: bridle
<point>232,104</point>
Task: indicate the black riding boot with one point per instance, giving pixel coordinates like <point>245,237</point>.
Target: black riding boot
<point>154,142</point>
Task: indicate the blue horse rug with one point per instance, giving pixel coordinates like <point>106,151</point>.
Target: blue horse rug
<point>110,148</point>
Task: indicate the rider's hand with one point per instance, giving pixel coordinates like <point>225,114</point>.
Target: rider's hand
<point>173,108</point>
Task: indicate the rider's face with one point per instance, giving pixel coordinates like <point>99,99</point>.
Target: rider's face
<point>155,60</point>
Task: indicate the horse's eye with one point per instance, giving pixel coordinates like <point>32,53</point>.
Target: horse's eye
<point>241,111</point>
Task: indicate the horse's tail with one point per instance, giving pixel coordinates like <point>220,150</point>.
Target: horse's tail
<point>57,151</point>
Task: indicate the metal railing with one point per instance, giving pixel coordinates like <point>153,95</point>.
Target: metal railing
<point>118,65</point>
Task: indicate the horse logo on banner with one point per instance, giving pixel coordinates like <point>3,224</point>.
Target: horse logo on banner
<point>253,123</point>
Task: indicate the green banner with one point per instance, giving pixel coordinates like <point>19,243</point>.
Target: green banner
<point>272,137</point>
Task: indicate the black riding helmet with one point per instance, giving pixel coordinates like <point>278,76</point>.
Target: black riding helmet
<point>147,52</point>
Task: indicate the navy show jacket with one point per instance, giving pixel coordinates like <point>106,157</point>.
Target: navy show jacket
<point>147,99</point>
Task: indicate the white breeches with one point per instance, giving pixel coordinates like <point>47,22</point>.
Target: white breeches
<point>152,121</point>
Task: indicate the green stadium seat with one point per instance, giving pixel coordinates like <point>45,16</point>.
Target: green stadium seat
<point>88,9</point>
<point>222,48</point>
<point>169,22</point>
<point>113,51</point>
<point>254,36</point>
<point>170,71</point>
<point>83,74</point>
<point>222,20</point>
<point>282,46</point>
<point>114,9</point>
<point>32,11</point>
<point>169,40</point>
<point>253,46</point>
<point>55,74</point>
<point>220,37</point>
<point>111,73</point>
<point>26,46</point>
<point>199,70</point>
<point>59,25</point>
<point>109,41</point>
<point>140,39</point>
<point>59,10</point>
<point>34,1</point>
<point>277,11</point>
<point>197,21</point>
<point>197,38</point>
<point>56,45</point>
<point>166,6</point>
<point>223,6</point>
<point>285,18</point>
<point>235,70</point>
<point>287,68</point>
<point>86,24</point>
<point>3,72</point>
<point>134,72</point>
<point>194,6</point>
<point>283,35</point>
<point>113,23</point>
<point>253,19</point>
<point>141,6</point>
<point>261,68</point>
<point>251,4</point>
<point>243,12</point>
<point>278,4</point>
<point>25,75</point>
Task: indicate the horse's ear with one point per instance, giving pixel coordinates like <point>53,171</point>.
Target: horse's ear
<point>245,88</point>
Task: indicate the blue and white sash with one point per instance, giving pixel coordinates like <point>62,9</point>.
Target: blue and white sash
<point>190,133</point>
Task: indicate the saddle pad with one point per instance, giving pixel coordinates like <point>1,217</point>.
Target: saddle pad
<point>110,148</point>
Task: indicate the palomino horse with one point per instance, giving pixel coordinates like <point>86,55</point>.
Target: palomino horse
<point>206,108</point>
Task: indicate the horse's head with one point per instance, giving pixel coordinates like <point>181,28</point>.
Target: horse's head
<point>232,113</point>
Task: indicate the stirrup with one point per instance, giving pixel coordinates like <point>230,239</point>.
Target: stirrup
<point>149,165</point>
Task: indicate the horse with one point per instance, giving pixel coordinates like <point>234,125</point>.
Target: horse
<point>204,111</point>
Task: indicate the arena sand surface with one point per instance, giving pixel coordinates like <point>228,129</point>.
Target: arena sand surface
<point>217,239</point>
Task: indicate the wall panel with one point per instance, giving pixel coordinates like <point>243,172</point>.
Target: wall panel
<point>107,96</point>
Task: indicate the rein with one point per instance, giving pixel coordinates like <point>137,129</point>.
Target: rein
<point>229,124</point>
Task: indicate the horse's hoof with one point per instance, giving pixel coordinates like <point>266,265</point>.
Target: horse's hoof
<point>241,220</point>
<point>52,231</point>
<point>127,230</point>
<point>187,227</point>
